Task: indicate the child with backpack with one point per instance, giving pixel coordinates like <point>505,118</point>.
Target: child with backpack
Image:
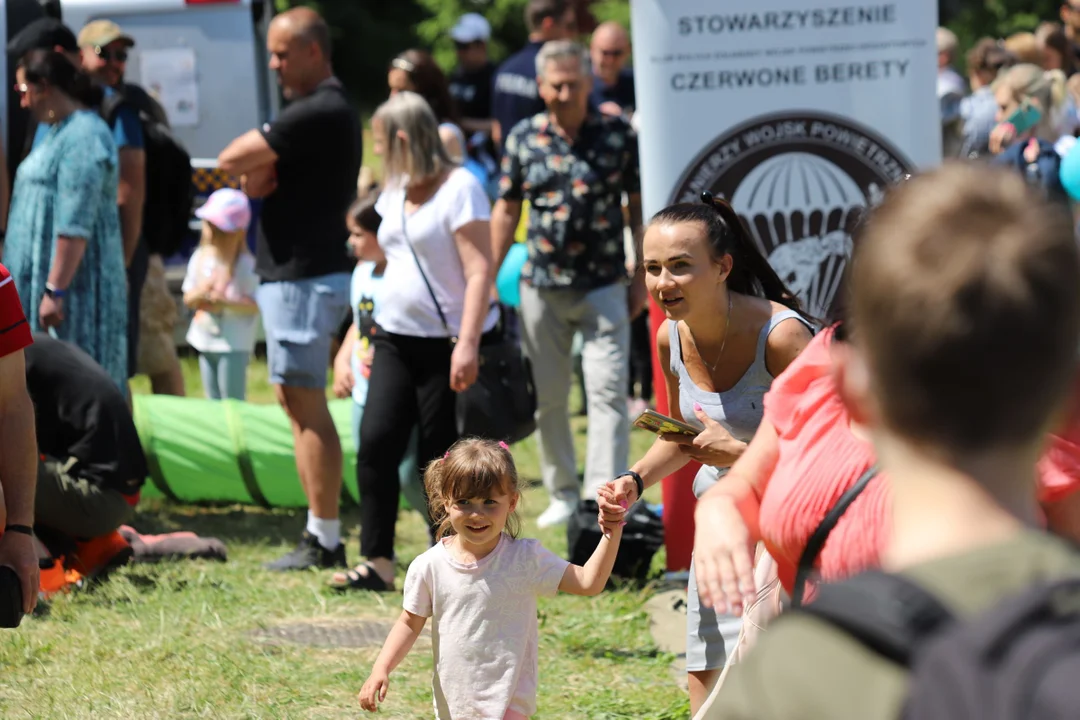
<point>965,297</point>
<point>220,287</point>
<point>479,586</point>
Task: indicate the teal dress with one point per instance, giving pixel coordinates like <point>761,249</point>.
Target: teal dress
<point>67,186</point>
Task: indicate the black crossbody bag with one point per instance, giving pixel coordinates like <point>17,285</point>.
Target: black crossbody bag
<point>501,404</point>
<point>821,534</point>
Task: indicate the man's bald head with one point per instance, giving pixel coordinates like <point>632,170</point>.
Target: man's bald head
<point>609,50</point>
<point>307,26</point>
<point>610,32</point>
<point>299,47</point>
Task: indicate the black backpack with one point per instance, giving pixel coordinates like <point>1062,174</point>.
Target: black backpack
<point>170,191</point>
<point>641,538</point>
<point>1018,660</point>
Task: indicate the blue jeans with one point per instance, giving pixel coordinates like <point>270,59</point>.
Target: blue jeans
<point>224,375</point>
<point>412,484</point>
<point>300,317</point>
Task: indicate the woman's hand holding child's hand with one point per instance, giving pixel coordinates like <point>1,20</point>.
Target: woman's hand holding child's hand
<point>374,690</point>
<point>614,498</point>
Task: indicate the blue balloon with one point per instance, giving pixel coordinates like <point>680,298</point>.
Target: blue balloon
<point>509,277</point>
<point>1070,172</point>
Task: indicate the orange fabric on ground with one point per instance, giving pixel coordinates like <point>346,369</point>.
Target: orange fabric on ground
<point>819,459</point>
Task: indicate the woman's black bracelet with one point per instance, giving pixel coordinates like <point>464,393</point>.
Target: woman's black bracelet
<point>24,529</point>
<point>638,482</point>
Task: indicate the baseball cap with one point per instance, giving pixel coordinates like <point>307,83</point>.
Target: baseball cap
<point>43,34</point>
<point>227,209</point>
<point>470,28</point>
<point>100,33</point>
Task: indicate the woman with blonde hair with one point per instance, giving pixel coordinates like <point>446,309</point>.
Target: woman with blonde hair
<point>436,237</point>
<point>1031,108</point>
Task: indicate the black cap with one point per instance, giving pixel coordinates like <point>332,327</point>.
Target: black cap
<point>43,34</point>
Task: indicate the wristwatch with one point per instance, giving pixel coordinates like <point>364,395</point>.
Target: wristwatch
<point>54,292</point>
<point>638,482</point>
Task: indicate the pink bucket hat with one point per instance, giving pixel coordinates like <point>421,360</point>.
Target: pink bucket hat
<point>227,209</point>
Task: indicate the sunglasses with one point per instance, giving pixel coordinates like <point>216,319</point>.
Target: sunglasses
<point>613,53</point>
<point>107,55</point>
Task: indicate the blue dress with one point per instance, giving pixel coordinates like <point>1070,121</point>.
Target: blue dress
<point>67,186</point>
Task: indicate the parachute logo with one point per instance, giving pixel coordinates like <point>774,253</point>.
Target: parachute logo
<point>800,182</point>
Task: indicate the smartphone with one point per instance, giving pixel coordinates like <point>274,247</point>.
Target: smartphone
<point>1024,117</point>
<point>654,422</point>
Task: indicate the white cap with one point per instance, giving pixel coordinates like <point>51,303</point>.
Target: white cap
<point>470,28</point>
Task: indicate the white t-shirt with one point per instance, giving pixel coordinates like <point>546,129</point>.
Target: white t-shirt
<point>364,297</point>
<point>229,330</point>
<point>483,625</point>
<point>409,309</point>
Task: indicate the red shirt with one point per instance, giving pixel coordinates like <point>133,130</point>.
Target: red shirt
<point>14,330</point>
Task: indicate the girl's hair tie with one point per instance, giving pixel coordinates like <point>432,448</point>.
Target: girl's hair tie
<point>504,446</point>
<point>446,455</point>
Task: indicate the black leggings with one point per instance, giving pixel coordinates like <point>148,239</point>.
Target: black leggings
<point>409,386</point>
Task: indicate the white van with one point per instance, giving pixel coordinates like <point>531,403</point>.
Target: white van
<point>205,61</point>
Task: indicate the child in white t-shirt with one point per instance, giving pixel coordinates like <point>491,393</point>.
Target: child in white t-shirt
<point>352,365</point>
<point>479,585</point>
<point>220,287</point>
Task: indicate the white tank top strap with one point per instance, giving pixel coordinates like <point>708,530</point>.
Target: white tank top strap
<point>775,320</point>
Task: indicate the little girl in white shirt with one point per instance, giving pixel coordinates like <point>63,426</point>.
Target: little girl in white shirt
<point>479,585</point>
<point>220,287</point>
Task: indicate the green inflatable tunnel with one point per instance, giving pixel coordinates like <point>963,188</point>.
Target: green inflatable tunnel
<point>207,451</point>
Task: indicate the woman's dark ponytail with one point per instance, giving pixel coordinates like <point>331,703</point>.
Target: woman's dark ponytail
<point>54,69</point>
<point>751,273</point>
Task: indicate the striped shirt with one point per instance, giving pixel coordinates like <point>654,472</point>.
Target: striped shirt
<point>14,330</point>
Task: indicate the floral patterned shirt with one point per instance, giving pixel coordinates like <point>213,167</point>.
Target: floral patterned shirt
<point>575,232</point>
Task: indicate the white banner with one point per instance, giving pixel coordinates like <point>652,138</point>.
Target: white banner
<point>800,114</point>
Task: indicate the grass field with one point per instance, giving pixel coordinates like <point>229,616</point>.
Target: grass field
<point>202,640</point>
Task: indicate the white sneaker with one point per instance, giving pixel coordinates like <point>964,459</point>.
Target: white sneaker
<point>558,512</point>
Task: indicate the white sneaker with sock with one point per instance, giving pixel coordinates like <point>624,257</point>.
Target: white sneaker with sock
<point>560,510</point>
<point>327,532</point>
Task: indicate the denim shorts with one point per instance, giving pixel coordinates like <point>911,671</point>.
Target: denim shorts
<point>299,318</point>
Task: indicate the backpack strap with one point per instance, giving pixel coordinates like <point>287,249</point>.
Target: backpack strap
<point>110,106</point>
<point>821,534</point>
<point>887,613</point>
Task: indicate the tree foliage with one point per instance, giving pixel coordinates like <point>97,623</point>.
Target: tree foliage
<point>366,35</point>
<point>974,19</point>
<point>507,18</point>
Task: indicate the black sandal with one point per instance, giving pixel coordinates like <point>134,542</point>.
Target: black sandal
<point>371,581</point>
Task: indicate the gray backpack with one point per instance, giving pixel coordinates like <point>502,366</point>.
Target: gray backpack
<point>1018,660</point>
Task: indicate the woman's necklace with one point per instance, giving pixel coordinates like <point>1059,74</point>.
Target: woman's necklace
<point>723,344</point>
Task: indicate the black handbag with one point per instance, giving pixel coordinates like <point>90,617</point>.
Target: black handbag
<point>501,404</point>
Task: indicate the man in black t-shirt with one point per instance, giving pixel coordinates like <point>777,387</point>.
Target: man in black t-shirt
<point>91,465</point>
<point>304,165</point>
<point>470,81</point>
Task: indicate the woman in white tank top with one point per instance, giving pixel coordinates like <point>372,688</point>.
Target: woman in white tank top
<point>731,326</point>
